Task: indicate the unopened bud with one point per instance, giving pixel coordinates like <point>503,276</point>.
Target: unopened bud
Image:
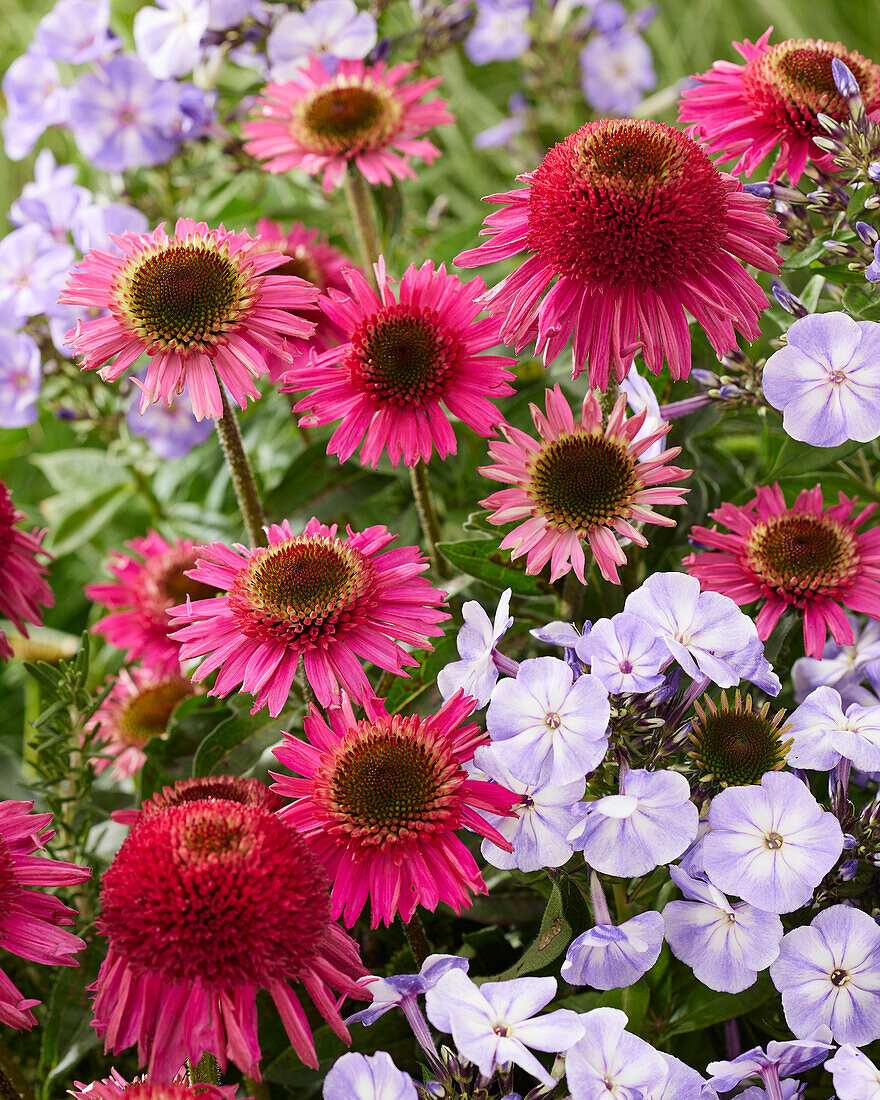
<point>867,234</point>
<point>789,302</point>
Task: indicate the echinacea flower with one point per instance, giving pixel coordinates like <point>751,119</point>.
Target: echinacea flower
<point>198,303</point>
<point>404,358</point>
<point>736,745</point>
<point>811,558</point>
<point>31,923</point>
<point>366,115</point>
<point>380,801</point>
<point>115,1087</point>
<point>769,105</point>
<point>333,601</point>
<point>23,589</point>
<point>632,225</point>
<point>228,788</point>
<point>580,481</point>
<point>205,902</point>
<point>149,580</point>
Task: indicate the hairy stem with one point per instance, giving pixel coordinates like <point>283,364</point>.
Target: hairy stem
<point>357,192</point>
<point>242,474</point>
<point>427,516</point>
<point>205,1071</point>
<point>416,938</point>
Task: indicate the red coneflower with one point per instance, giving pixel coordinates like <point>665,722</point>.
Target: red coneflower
<point>23,589</point>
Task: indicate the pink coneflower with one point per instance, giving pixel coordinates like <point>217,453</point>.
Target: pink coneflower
<point>309,257</point>
<point>366,114</point>
<point>632,224</point>
<point>228,788</point>
<point>770,104</point>
<point>31,923</point>
<point>115,1086</point>
<point>403,359</point>
<point>332,601</point>
<point>579,482</point>
<point>199,304</point>
<point>806,557</point>
<point>137,710</point>
<point>23,589</point>
<point>148,583</point>
<point>205,903</point>
<point>380,802</point>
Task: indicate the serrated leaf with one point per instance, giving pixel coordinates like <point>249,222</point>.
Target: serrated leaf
<point>482,558</point>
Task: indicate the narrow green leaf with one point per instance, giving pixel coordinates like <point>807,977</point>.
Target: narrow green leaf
<point>706,1007</point>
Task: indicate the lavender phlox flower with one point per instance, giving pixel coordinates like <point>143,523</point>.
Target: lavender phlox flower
<point>499,32</point>
<point>477,671</point>
<point>640,396</point>
<point>546,725</point>
<point>610,1063</point>
<point>648,824</point>
<point>843,667</point>
<point>35,99</point>
<point>75,31</point>
<point>705,632</point>
<point>625,654</point>
<point>872,271</point>
<point>822,733</point>
<point>608,17</point>
<point>544,818</point>
<point>854,1074</point>
<point>496,1023</point>
<point>368,1077</point>
<point>616,71</point>
<point>95,225</point>
<point>33,269</point>
<point>224,14</point>
<point>829,975</point>
<point>195,111</point>
<point>171,432</point>
<point>691,861</point>
<point>569,637</point>
<point>788,1090</point>
<point>55,212</point>
<point>20,375</point>
<point>503,133</point>
<point>725,944</point>
<point>824,380</point>
<point>121,116</point>
<point>783,1059</point>
<point>167,38</point>
<point>683,1083</point>
<point>770,844</point>
<point>328,28</point>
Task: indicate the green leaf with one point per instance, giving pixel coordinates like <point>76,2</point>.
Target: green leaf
<point>862,303</point>
<point>795,459</point>
<point>705,1007</point>
<point>482,558</point>
<point>838,273</point>
<point>403,692</point>
<point>633,1001</point>
<point>81,468</point>
<point>231,732</point>
<point>553,937</point>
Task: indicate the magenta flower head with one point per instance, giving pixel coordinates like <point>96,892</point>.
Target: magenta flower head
<point>580,482</point>
<point>402,359</point>
<point>198,303</point>
<point>824,380</point>
<point>335,602</point>
<point>115,1087</point>
<point>628,225</point>
<point>23,588</point>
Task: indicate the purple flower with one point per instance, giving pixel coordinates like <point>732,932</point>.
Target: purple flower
<point>93,225</point>
<point>725,945</point>
<point>683,1083</point>
<point>503,133</point>
<point>35,99</point>
<point>545,725</point>
<point>51,200</point>
<point>328,28</point>
<point>499,31</point>
<point>612,956</point>
<point>640,396</point>
<point>788,1090</point>
<point>625,654</point>
<point>781,1060</point>
<point>854,1074</point>
<point>20,372</point>
<point>368,1077</point>
<point>33,269</point>
<point>649,823</point>
<point>121,116</point>
<point>829,975</point>
<point>843,667</point>
<point>495,1024</point>
<point>195,112</point>
<point>476,673</point>
<point>706,633</point>
<point>167,38</point>
<point>608,17</point>
<point>75,31</point>
<point>770,844</point>
<point>616,71</point>
<point>824,380</point>
<point>823,734</point>
<point>170,432</point>
<point>610,1063</point>
<point>404,989</point>
<point>232,13</point>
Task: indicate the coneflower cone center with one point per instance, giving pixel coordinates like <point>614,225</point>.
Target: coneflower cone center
<point>405,356</point>
<point>302,590</point>
<point>389,783</point>
<point>736,749</point>
<point>301,265</point>
<point>185,297</point>
<point>347,118</point>
<point>147,713</point>
<point>802,555</point>
<point>583,481</point>
<point>174,585</point>
<point>225,788</point>
<point>623,202</point>
<point>155,1090</point>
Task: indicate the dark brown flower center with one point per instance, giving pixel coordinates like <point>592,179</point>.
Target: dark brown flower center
<point>839,977</point>
<point>301,265</point>
<point>802,555</point>
<point>147,713</point>
<point>344,113</point>
<point>174,585</point>
<point>583,481</point>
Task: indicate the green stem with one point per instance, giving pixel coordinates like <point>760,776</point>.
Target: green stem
<point>360,202</point>
<point>259,1090</point>
<point>206,1071</point>
<point>242,474</point>
<point>417,939</point>
<point>427,516</point>
<point>13,1085</point>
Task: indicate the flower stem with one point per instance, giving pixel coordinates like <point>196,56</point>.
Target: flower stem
<point>416,938</point>
<point>427,516</point>
<point>357,192</point>
<point>205,1071</point>
<point>242,474</point>
<point>572,599</point>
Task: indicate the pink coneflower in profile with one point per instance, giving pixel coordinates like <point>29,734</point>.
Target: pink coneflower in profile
<point>769,105</point>
<point>205,903</point>
<point>628,224</point>
<point>228,788</point>
<point>148,582</point>
<point>137,710</point>
<point>115,1086</point>
<point>368,115</point>
<point>309,257</point>
<point>23,589</point>
<point>380,801</point>
<point>807,557</point>
<point>32,923</point>
<point>335,602</point>
<point>579,482</point>
<point>403,360</point>
<point>199,304</point>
